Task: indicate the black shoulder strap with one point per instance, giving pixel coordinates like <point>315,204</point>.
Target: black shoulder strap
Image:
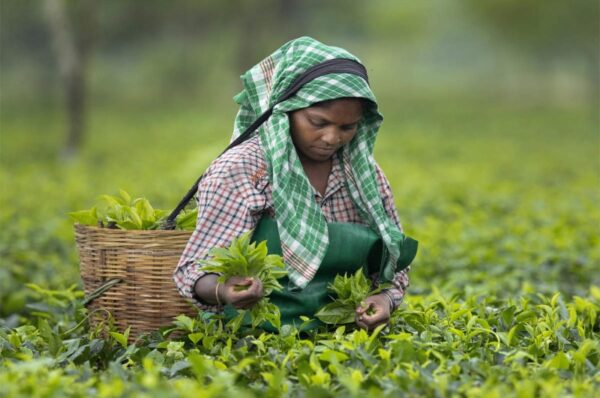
<point>336,65</point>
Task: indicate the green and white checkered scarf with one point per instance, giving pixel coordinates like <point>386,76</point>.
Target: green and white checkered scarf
<point>302,226</point>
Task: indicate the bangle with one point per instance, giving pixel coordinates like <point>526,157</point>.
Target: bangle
<point>217,294</point>
<point>388,295</point>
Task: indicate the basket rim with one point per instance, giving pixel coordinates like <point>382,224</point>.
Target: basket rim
<point>140,232</point>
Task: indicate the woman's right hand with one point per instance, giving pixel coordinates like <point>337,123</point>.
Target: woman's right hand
<point>240,291</point>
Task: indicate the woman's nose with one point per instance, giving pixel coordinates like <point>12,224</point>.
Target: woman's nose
<point>332,137</point>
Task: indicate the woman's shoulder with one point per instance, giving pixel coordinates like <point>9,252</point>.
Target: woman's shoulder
<point>242,164</point>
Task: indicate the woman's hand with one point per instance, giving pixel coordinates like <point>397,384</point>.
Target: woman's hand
<point>241,292</point>
<point>374,311</point>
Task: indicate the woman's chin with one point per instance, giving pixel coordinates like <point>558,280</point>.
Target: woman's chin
<point>322,154</point>
<point>315,156</point>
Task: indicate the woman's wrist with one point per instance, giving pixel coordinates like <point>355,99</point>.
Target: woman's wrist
<point>206,289</point>
<point>388,299</point>
<point>218,294</point>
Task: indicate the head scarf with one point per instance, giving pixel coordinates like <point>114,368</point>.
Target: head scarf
<point>301,223</point>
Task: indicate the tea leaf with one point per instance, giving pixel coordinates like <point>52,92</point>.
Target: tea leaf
<point>84,217</point>
<point>246,259</point>
<point>130,214</point>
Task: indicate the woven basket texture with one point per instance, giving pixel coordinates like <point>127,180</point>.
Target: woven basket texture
<point>147,298</point>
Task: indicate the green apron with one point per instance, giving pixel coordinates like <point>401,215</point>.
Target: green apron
<point>351,246</point>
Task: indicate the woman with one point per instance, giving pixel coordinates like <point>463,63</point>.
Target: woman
<point>309,167</point>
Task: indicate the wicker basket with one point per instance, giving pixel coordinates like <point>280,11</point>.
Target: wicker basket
<point>138,265</point>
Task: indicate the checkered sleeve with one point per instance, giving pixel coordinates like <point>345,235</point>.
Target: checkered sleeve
<point>223,214</point>
<point>400,282</point>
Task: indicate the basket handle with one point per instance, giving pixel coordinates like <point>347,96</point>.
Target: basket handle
<point>336,65</point>
<point>99,291</point>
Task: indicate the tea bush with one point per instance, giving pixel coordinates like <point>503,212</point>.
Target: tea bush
<point>504,298</point>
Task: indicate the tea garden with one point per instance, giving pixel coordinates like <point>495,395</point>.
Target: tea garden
<point>505,290</point>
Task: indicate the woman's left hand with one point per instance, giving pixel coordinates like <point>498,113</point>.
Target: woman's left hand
<point>374,311</point>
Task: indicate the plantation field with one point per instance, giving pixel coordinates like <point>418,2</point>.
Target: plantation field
<point>505,290</point>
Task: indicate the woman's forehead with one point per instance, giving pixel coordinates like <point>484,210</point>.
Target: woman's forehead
<point>344,108</point>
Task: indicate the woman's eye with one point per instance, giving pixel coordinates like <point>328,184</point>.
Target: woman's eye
<point>349,128</point>
<point>318,124</point>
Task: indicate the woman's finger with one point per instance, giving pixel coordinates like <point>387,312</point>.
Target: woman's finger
<point>374,321</point>
<point>245,298</point>
<point>361,324</point>
<point>254,287</point>
<point>362,321</point>
<point>242,292</point>
<point>363,307</point>
<point>253,291</point>
<point>237,280</point>
<point>257,286</point>
<point>377,316</point>
<point>245,284</point>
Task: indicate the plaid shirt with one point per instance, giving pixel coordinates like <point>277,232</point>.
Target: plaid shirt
<point>235,194</point>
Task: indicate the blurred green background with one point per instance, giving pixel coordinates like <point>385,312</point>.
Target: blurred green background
<point>490,138</point>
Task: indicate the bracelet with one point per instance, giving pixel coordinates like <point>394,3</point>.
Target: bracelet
<point>217,294</point>
<point>390,300</point>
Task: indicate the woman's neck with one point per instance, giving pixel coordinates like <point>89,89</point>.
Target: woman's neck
<point>317,173</point>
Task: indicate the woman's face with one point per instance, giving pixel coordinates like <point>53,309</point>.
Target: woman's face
<point>319,131</point>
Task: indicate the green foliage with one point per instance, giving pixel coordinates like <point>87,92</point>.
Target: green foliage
<point>243,258</point>
<point>126,213</point>
<point>437,345</point>
<point>503,299</point>
<point>349,292</point>
<point>512,20</point>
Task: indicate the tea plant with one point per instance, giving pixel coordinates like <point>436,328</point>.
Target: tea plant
<point>437,345</point>
<point>349,293</point>
<point>243,258</point>
<point>503,300</point>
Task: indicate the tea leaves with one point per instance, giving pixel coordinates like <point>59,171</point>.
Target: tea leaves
<point>243,258</point>
<point>349,292</point>
<point>131,214</point>
<point>503,302</point>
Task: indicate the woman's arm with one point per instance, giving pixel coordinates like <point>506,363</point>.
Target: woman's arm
<point>239,291</point>
<point>224,212</point>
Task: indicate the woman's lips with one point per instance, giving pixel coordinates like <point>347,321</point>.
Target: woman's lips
<point>325,151</point>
